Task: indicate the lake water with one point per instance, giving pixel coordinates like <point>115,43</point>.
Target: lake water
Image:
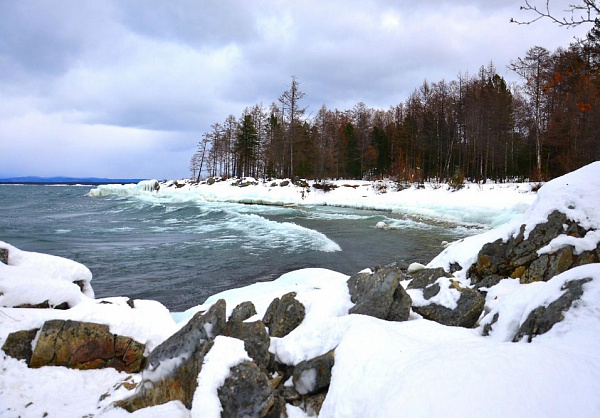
<point>181,253</point>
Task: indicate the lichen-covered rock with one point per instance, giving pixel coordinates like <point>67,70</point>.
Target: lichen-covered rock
<point>543,318</point>
<point>256,340</point>
<point>18,344</point>
<point>314,375</point>
<point>83,345</point>
<point>379,294</point>
<point>242,312</point>
<point>423,278</point>
<point>468,308</point>
<point>173,367</point>
<point>518,257</point>
<point>247,393</point>
<point>284,316</point>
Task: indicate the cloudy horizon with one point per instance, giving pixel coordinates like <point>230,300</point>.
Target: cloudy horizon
<point>126,88</point>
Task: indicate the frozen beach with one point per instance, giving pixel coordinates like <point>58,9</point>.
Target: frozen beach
<point>383,368</point>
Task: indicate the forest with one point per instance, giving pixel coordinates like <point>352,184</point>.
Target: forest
<point>476,128</point>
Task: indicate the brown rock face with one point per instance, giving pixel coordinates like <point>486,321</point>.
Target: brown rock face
<point>85,345</point>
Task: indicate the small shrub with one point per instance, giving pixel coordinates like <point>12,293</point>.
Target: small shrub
<point>457,181</point>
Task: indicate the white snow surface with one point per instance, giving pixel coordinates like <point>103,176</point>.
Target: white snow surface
<point>487,204</point>
<point>416,368</point>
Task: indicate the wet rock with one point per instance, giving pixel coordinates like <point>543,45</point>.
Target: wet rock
<point>379,295</point>
<point>247,393</point>
<point>18,344</point>
<point>284,316</point>
<point>543,318</point>
<point>173,367</point>
<point>314,375</point>
<point>85,345</point>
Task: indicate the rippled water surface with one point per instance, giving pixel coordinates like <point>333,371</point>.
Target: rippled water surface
<point>181,253</point>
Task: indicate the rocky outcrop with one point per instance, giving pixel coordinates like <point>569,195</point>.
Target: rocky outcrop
<point>256,340</point>
<point>380,295</point>
<point>518,256</point>
<point>284,315</point>
<point>173,367</point>
<point>76,345</point>
<point>469,305</point>
<point>247,393</point>
<point>543,318</point>
<point>3,255</point>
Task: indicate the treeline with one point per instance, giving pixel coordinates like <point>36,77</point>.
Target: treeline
<point>475,127</point>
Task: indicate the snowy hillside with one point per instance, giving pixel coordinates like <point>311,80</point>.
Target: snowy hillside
<point>417,367</point>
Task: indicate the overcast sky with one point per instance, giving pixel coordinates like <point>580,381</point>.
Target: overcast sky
<point>126,88</point>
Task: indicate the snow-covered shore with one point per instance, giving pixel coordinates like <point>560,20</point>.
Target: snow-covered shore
<point>488,204</point>
<point>416,368</point>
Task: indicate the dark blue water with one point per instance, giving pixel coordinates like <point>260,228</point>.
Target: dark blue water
<point>181,253</point>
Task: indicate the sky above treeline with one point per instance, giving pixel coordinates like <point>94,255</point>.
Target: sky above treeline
<point>125,88</point>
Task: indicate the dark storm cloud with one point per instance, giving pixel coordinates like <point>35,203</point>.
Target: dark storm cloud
<point>199,24</point>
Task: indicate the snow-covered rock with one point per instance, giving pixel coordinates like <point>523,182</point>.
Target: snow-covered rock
<point>419,367</point>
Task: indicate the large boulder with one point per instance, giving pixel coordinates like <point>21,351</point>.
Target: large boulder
<point>436,285</point>
<point>76,345</point>
<point>247,393</point>
<point>284,315</point>
<point>379,294</point>
<point>173,367</point>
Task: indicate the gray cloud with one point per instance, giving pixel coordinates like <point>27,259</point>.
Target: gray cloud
<point>129,86</point>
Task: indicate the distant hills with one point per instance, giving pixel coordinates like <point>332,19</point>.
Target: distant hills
<point>65,180</point>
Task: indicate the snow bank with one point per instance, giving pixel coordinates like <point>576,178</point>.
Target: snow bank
<point>576,194</point>
<point>486,204</point>
<point>33,278</point>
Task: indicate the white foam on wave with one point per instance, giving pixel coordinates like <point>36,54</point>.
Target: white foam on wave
<point>257,232</point>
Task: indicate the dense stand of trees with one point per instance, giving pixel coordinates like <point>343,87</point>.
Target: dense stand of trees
<point>475,127</point>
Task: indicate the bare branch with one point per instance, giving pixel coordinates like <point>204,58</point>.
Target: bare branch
<point>586,12</point>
